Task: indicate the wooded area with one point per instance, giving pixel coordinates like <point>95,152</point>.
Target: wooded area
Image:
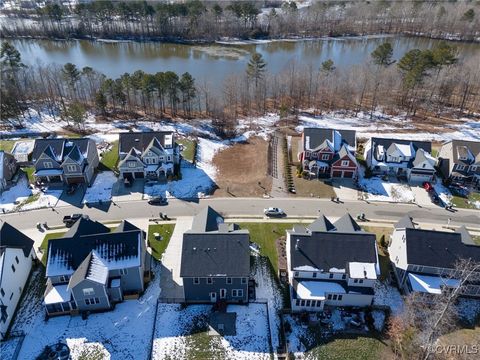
<point>196,20</point>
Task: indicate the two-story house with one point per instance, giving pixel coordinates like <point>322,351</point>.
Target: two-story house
<point>404,158</point>
<point>69,161</point>
<point>459,161</point>
<point>8,169</point>
<point>333,264</point>
<point>424,260</point>
<point>326,153</point>
<point>16,256</point>
<point>215,263</point>
<point>91,268</point>
<point>151,155</point>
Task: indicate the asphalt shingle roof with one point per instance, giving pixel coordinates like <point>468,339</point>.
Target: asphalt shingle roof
<point>140,140</point>
<point>319,135</point>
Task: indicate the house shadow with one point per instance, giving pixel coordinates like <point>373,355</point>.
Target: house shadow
<point>100,205</point>
<point>120,189</point>
<point>171,290</point>
<point>75,198</point>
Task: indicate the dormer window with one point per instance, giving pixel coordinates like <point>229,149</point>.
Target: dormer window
<point>460,167</point>
<point>325,157</point>
<point>48,165</point>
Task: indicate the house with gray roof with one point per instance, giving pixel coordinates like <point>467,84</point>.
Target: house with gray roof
<point>326,153</point>
<point>69,161</point>
<point>459,161</point>
<point>407,159</point>
<point>331,263</point>
<point>92,268</point>
<point>152,155</point>
<point>424,260</point>
<point>215,262</point>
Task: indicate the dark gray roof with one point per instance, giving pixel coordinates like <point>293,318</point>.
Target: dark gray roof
<point>10,237</point>
<point>438,248</point>
<point>215,254</point>
<point>206,220</point>
<point>140,140</point>
<point>462,146</point>
<point>425,145</point>
<point>346,224</point>
<point>327,250</point>
<point>85,226</point>
<point>321,224</point>
<point>404,223</point>
<point>57,149</point>
<point>319,135</point>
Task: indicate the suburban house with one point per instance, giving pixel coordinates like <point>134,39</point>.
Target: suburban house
<point>8,169</point>
<point>22,151</point>
<point>16,257</point>
<point>424,260</point>
<point>403,158</point>
<point>151,155</point>
<point>326,153</point>
<point>92,268</point>
<point>215,262</point>
<point>459,161</point>
<point>333,264</point>
<point>69,161</point>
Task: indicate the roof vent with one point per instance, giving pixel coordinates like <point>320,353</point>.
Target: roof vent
<point>296,244</point>
<point>137,140</point>
<point>194,249</point>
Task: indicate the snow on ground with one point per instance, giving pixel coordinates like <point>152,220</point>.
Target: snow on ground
<point>123,333</point>
<point>179,339</point>
<point>38,122</point>
<point>377,189</point>
<point>194,183</point>
<point>386,126</point>
<point>101,190</point>
<point>205,152</point>
<point>18,193</point>
<point>43,199</point>
<point>443,192</point>
<point>388,295</point>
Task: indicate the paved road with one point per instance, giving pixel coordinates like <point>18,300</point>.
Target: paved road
<point>239,207</point>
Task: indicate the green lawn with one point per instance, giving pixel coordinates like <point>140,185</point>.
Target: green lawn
<point>188,151</point>
<point>29,171</point>
<point>383,258</point>
<point>110,158</point>
<point>7,145</point>
<point>44,245</point>
<point>466,203</point>
<point>159,246</point>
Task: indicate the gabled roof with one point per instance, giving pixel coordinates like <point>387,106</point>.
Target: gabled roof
<point>404,223</point>
<point>92,268</point>
<point>75,154</point>
<point>386,143</point>
<point>422,156</point>
<point>464,147</point>
<point>206,220</point>
<point>346,224</point>
<point>215,254</point>
<point>342,153</point>
<point>85,226</point>
<point>140,140</point>
<point>58,148</point>
<point>321,224</point>
<point>10,237</point>
<point>313,138</point>
<point>438,248</point>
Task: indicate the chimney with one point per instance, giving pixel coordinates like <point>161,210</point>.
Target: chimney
<point>296,244</point>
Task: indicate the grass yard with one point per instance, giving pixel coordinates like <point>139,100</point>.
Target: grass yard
<point>158,247</point>
<point>383,258</point>
<point>294,148</point>
<point>7,145</point>
<point>188,151</point>
<point>466,203</point>
<point>29,172</point>
<point>314,187</point>
<point>109,160</point>
<point>352,348</point>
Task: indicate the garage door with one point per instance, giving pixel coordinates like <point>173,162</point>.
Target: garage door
<point>347,174</point>
<point>128,175</point>
<point>337,174</point>
<point>75,180</point>
<point>139,175</point>
<point>419,178</point>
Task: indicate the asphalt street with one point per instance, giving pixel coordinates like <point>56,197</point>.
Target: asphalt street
<point>248,207</point>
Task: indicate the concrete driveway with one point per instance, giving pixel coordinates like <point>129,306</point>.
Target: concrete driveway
<point>421,196</point>
<point>122,193</point>
<point>345,189</point>
<point>74,199</point>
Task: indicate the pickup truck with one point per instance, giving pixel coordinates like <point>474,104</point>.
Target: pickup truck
<point>69,220</point>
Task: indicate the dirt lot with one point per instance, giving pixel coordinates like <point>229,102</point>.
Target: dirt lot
<point>241,167</point>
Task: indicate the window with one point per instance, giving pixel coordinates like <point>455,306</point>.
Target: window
<point>244,280</point>
<point>355,281</point>
<point>71,168</point>
<point>345,162</point>
<point>319,303</point>
<point>360,281</point>
<point>296,274</point>
<point>340,297</point>
<point>209,280</point>
<point>131,164</point>
<point>297,302</point>
<point>302,303</point>
<point>16,259</point>
<point>92,301</point>
<point>308,303</point>
<point>334,298</point>
<point>460,167</point>
<point>47,164</point>
<point>223,293</point>
<point>2,292</point>
<point>169,158</point>
<point>314,275</point>
<point>329,297</point>
<point>229,280</point>
<point>13,268</point>
<point>88,292</point>
<point>325,157</point>
<point>234,293</point>
<point>344,277</point>
<point>473,168</point>
<point>196,281</point>
<point>237,292</point>
<point>330,276</point>
<point>64,278</point>
<point>123,271</point>
<point>313,303</point>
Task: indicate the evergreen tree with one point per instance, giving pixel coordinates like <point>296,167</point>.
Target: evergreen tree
<point>256,67</point>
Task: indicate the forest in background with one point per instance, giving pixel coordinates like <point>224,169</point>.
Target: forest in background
<point>207,21</point>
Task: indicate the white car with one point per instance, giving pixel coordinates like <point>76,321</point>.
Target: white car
<point>273,211</point>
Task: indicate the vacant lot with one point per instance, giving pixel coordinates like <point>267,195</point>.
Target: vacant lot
<point>241,168</point>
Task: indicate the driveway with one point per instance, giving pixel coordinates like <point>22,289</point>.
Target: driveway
<point>122,193</point>
<point>74,199</point>
<point>345,189</point>
<point>421,196</point>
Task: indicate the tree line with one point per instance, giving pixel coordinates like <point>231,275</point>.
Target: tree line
<point>423,83</point>
<point>211,20</point>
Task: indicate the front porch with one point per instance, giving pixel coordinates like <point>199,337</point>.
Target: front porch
<point>48,176</point>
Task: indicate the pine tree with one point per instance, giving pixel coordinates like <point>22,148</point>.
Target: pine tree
<point>256,67</point>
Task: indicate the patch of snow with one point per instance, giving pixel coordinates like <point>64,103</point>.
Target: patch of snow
<point>443,192</point>
<point>377,189</point>
<point>47,198</point>
<point>389,296</point>
<point>306,268</point>
<point>16,194</point>
<point>205,153</point>
<point>101,189</point>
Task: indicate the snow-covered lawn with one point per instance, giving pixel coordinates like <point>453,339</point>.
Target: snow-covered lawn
<point>16,194</point>
<point>47,198</point>
<point>101,190</point>
<point>182,333</point>
<point>443,192</point>
<point>389,296</point>
<point>123,333</point>
<point>377,189</point>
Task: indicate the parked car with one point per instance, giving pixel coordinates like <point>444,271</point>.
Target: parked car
<point>128,182</point>
<point>273,212</point>
<point>427,186</point>
<point>71,189</point>
<point>69,220</point>
<point>459,190</point>
<point>159,200</point>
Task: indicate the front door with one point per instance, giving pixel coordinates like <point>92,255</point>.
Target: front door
<point>213,297</point>
<point>223,293</point>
